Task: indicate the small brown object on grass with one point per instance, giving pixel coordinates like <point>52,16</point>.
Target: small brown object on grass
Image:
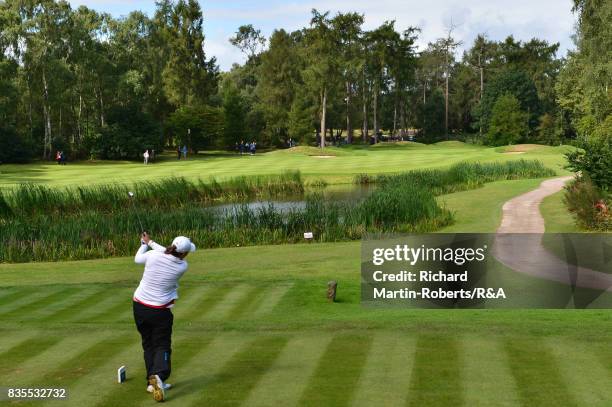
<point>332,286</point>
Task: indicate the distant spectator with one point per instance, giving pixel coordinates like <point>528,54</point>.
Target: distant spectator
<point>58,157</point>
<point>253,147</point>
<point>178,153</point>
<point>62,158</point>
<point>146,157</point>
<point>242,146</point>
<point>152,158</point>
<point>184,151</point>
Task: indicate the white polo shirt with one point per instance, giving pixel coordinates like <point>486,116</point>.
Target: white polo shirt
<point>159,283</point>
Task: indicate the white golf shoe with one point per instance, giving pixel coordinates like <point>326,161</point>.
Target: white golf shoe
<point>150,387</point>
<point>158,388</point>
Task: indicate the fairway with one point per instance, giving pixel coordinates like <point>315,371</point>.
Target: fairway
<point>257,331</point>
<point>341,167</point>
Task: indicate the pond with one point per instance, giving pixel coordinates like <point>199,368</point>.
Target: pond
<point>334,193</point>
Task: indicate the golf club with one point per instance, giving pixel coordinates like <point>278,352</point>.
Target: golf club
<point>131,195</point>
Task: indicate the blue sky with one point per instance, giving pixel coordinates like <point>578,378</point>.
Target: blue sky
<point>547,19</point>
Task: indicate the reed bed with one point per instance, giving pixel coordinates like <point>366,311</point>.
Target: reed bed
<point>33,199</point>
<point>94,234</point>
<point>461,176</point>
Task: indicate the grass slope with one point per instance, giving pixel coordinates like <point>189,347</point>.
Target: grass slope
<point>340,168</point>
<point>557,218</point>
<point>257,331</point>
<point>479,210</point>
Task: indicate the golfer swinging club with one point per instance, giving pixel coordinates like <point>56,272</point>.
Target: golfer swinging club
<point>164,266</point>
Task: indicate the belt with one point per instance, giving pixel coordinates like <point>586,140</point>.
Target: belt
<point>154,306</point>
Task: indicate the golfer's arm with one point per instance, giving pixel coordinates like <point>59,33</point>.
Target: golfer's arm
<point>141,255</point>
<point>156,246</point>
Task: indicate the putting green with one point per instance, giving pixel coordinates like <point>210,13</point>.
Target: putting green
<point>340,168</point>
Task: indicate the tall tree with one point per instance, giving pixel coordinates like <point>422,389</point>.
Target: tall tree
<point>279,76</point>
<point>322,70</point>
<point>381,41</point>
<point>347,28</point>
<point>248,40</point>
<point>448,45</point>
<point>583,88</point>
<point>479,58</point>
<point>189,78</point>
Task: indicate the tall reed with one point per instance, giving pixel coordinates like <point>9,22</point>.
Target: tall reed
<point>32,199</point>
<point>462,176</point>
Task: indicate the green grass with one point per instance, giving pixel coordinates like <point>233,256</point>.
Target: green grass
<point>289,346</point>
<point>348,161</point>
<point>480,210</point>
<point>557,219</point>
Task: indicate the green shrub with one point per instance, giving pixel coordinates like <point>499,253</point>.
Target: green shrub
<point>582,197</point>
<point>595,160</point>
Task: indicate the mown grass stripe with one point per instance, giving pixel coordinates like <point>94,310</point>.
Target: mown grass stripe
<point>604,354</point>
<point>247,304</point>
<point>10,293</point>
<point>272,298</point>
<point>183,350</point>
<point>215,295</point>
<point>74,308</point>
<point>232,385</point>
<point>286,380</point>
<point>28,297</point>
<point>101,376</point>
<point>85,362</point>
<point>15,356</point>
<point>189,299</point>
<point>536,372</point>
<point>32,307</point>
<point>120,309</point>
<point>11,338</point>
<point>386,375</point>
<point>224,307</point>
<point>586,377</point>
<point>93,309</point>
<point>31,372</point>
<point>436,374</point>
<point>66,302</point>
<point>190,378</point>
<point>329,386</point>
<point>486,374</point>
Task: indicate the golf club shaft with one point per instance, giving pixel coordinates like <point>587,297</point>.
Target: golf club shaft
<point>142,229</point>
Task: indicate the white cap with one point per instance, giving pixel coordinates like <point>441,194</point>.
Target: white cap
<point>183,244</point>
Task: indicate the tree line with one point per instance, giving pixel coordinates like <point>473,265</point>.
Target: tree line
<point>102,87</point>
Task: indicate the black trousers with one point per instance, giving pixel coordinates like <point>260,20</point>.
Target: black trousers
<point>155,327</point>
